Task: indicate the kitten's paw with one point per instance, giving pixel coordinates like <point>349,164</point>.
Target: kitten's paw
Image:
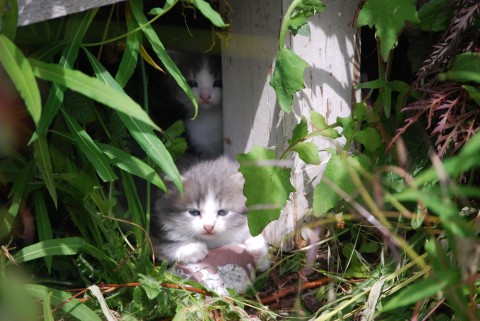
<point>191,253</point>
<point>258,249</point>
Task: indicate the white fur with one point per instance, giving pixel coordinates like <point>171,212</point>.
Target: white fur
<point>206,130</point>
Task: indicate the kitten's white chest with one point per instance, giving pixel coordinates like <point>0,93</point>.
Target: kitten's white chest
<point>206,132</point>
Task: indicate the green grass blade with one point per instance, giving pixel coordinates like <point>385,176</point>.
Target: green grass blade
<point>43,224</point>
<point>47,309</point>
<point>19,70</point>
<point>9,18</point>
<point>19,189</point>
<point>64,301</point>
<point>132,165</point>
<point>130,55</point>
<point>88,147</point>
<point>76,28</point>
<point>157,46</point>
<point>92,88</point>
<point>42,158</point>
<point>141,132</point>
<point>64,246</point>
<point>207,10</point>
<point>421,290</point>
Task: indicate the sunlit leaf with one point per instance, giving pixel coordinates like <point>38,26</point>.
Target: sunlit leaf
<point>287,77</point>
<point>207,10</point>
<point>267,187</point>
<point>88,147</point>
<point>308,152</point>
<point>130,54</point>
<point>92,88</point>
<point>19,70</point>
<point>141,132</point>
<point>369,138</point>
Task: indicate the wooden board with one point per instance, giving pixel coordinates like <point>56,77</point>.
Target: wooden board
<point>251,113</point>
<point>31,11</point>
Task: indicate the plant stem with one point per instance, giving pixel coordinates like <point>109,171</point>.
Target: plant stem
<point>284,27</point>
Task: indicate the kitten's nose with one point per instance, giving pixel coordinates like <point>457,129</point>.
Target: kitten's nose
<point>205,94</point>
<point>208,228</point>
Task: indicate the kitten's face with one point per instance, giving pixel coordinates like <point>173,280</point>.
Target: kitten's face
<point>210,218</point>
<point>203,75</point>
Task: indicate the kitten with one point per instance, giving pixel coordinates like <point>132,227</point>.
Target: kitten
<point>211,213</point>
<point>203,75</point>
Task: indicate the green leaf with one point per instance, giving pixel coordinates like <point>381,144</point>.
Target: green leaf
<point>207,10</point>
<point>19,70</point>
<point>132,164</point>
<point>130,55</point>
<point>157,46</point>
<point>421,290</point>
<point>308,152</point>
<point>19,189</point>
<point>77,25</point>
<point>86,144</point>
<point>64,301</point>
<point>43,224</point>
<point>473,92</point>
<point>369,138</point>
<point>63,246</point>
<point>287,77</point>
<point>300,12</point>
<point>319,123</point>
<point>299,132</point>
<point>435,15</point>
<point>92,88</point>
<point>141,132</point>
<point>388,17</point>
<point>465,67</point>
<point>150,285</point>
<point>8,18</point>
<point>47,309</point>
<point>44,165</point>
<point>267,187</point>
<point>324,197</point>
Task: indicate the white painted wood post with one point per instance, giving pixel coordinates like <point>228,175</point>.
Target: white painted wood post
<point>251,114</point>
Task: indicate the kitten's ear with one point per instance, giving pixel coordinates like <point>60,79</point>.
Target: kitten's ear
<point>170,184</point>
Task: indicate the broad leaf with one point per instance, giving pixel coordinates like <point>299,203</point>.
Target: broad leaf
<point>319,123</point>
<point>369,138</point>
<point>324,197</point>
<point>465,67</point>
<point>300,12</point>
<point>19,70</point>
<point>287,77</point>
<point>267,187</point>
<point>308,152</point>
<point>435,15</point>
<point>299,132</point>
<point>388,17</point>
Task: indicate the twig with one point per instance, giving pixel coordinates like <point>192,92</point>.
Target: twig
<point>284,292</point>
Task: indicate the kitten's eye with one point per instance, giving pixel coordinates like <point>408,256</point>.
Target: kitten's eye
<point>194,212</point>
<point>217,83</point>
<point>192,83</point>
<point>222,212</point>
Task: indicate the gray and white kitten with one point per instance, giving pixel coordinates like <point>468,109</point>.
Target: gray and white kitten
<point>210,214</point>
<point>203,74</point>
